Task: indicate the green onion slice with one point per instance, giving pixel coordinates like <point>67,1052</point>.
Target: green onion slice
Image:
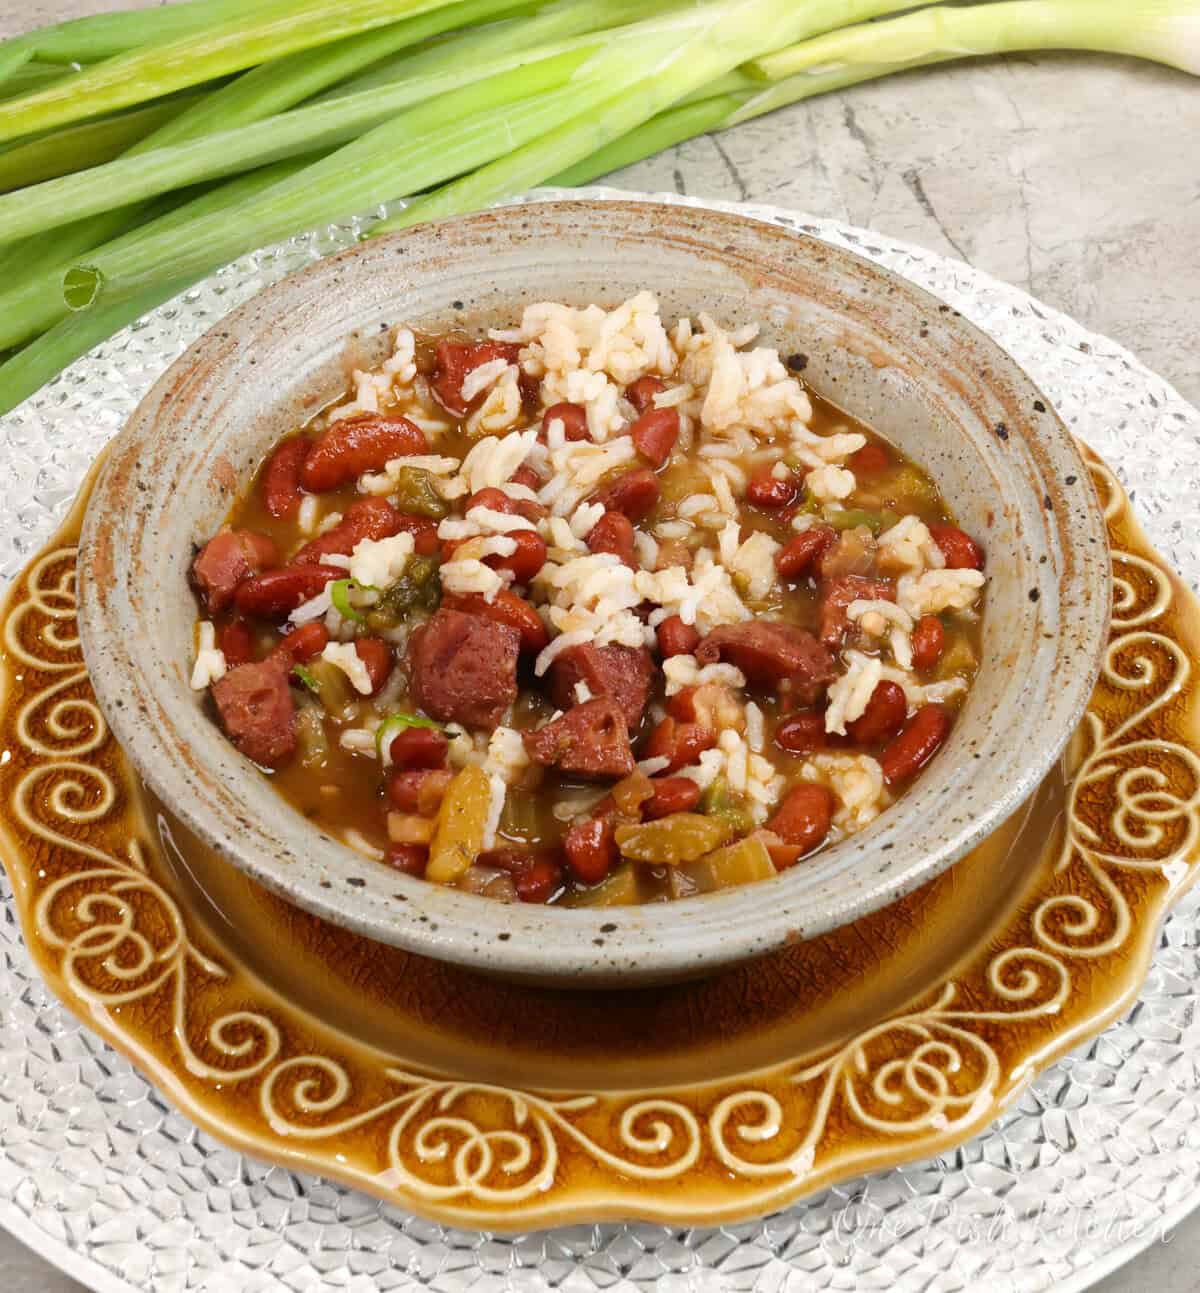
<point>339,595</point>
<point>307,677</point>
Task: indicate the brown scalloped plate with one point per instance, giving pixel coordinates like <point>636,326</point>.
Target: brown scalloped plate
<point>490,1104</point>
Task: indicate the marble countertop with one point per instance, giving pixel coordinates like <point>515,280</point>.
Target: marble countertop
<point>1073,177</point>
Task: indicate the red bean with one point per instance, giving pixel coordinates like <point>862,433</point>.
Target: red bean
<point>959,549</point>
<point>642,392</point>
<point>654,435</point>
<point>418,790</point>
<point>365,518</point>
<point>376,654</point>
<point>928,642</point>
<point>236,643</point>
<point>305,642</point>
<point>358,444</point>
<point>883,717</point>
<point>798,556</point>
<point>677,638</point>
<point>767,491</point>
<point>572,416</point>
<point>920,740</point>
<point>419,747</point>
<point>869,460</point>
<point>537,875</point>
<point>412,859</point>
<point>528,559</point>
<point>508,609</point>
<point>671,795</point>
<point>276,593</point>
<point>526,476</point>
<point>498,501</point>
<point>802,821</point>
<point>802,733</point>
<point>613,532</point>
<point>681,744</point>
<point>591,849</point>
<point>635,493</point>
<point>281,477</point>
<point>226,560</point>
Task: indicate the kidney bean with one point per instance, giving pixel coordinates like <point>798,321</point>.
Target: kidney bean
<point>225,560</point>
<point>642,392</point>
<point>376,654</point>
<point>883,717</point>
<point>276,593</point>
<point>280,479</point>
<point>959,549</point>
<point>635,493</point>
<point>767,491</point>
<point>365,518</point>
<point>358,444</point>
<point>419,747</point>
<point>236,643</point>
<point>537,875</point>
<point>525,475</point>
<point>920,740</point>
<point>418,790</point>
<point>591,848</point>
<point>681,744</point>
<point>802,733</point>
<point>572,416</point>
<point>528,559</point>
<point>507,608</point>
<point>412,859</point>
<point>798,556</point>
<point>613,532</point>
<point>498,501</point>
<point>928,642</point>
<point>802,821</point>
<point>677,638</point>
<point>654,435</point>
<point>303,643</point>
<point>455,359</point>
<point>671,795</point>
<point>869,460</point>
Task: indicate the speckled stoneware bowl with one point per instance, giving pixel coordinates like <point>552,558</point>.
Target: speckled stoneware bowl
<point>880,347</point>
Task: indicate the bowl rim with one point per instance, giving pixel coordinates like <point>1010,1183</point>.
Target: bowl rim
<point>530,940</point>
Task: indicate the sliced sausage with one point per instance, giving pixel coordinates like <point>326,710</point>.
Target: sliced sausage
<point>836,596</point>
<point>255,706</point>
<point>367,442</point>
<point>773,655</point>
<point>227,559</point>
<point>455,359</point>
<point>507,608</point>
<point>463,668</point>
<point>276,593</point>
<point>589,740</point>
<point>634,493</point>
<point>619,672</point>
<point>613,532</point>
<point>281,488</point>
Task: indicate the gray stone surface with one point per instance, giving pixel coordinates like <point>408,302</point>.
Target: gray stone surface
<point>1072,177</point>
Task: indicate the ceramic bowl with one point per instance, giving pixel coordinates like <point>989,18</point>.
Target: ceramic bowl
<point>870,341</point>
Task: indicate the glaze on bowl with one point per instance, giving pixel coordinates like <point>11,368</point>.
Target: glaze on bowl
<point>900,360</point>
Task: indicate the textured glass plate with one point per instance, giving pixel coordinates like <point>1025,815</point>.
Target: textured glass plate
<point>1098,1157</point>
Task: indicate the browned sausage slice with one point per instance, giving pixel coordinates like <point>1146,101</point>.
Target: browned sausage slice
<point>772,654</point>
<point>225,560</point>
<point>464,668</point>
<point>255,706</point>
<point>589,740</point>
<point>622,673</point>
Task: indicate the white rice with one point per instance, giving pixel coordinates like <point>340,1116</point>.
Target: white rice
<point>210,663</point>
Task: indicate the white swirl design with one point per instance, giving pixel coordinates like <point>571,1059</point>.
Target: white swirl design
<point>1133,802</point>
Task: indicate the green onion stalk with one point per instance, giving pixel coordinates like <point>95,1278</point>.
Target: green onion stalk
<point>268,31</point>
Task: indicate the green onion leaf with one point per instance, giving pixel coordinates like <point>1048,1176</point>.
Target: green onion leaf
<point>339,595</point>
<point>306,677</point>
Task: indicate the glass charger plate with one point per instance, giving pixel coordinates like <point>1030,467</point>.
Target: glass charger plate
<point>95,1169</point>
